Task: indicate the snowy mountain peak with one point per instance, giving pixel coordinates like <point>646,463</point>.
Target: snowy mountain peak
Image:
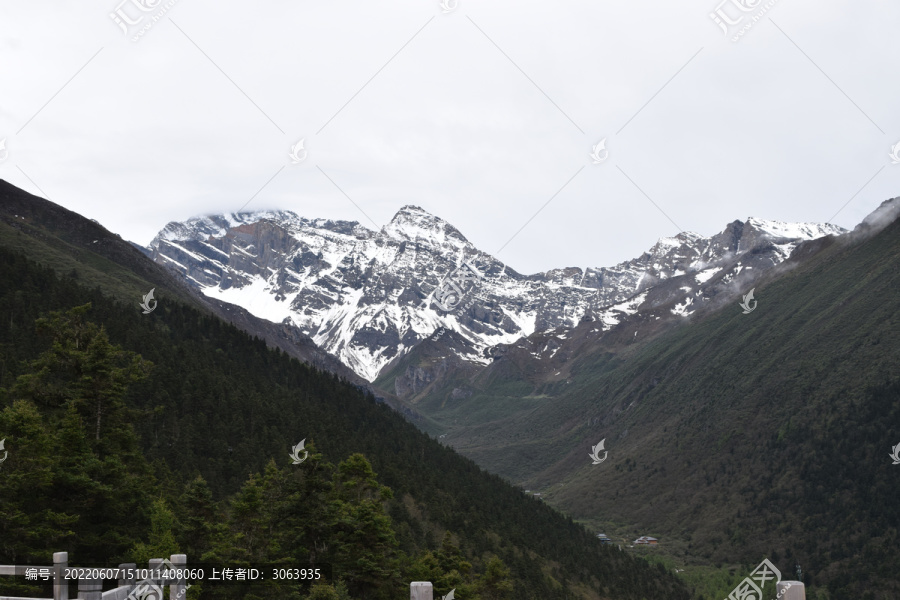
<point>782,230</point>
<point>203,227</point>
<point>413,223</point>
<point>368,297</point>
<point>664,244</point>
<point>412,211</point>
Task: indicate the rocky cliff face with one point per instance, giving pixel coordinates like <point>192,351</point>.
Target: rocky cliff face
<point>368,297</point>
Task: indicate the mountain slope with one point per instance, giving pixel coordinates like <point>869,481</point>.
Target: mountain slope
<point>72,244</point>
<point>368,297</point>
<point>219,403</point>
<point>731,436</point>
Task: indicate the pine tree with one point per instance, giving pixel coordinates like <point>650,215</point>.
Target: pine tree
<point>496,583</point>
<point>97,471</point>
<point>300,527</point>
<point>244,540</point>
<point>161,543</point>
<point>198,517</point>
<point>32,524</point>
<point>363,541</point>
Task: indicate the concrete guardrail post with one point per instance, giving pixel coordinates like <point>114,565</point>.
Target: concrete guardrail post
<point>90,589</point>
<point>177,586</point>
<point>129,581</point>
<point>60,585</point>
<point>421,590</point>
<point>790,590</point>
<point>156,564</point>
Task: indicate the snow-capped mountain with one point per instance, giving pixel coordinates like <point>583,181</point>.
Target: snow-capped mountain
<point>368,297</point>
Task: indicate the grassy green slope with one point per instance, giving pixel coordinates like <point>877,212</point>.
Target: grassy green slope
<point>738,435</point>
<point>92,269</point>
<point>72,245</point>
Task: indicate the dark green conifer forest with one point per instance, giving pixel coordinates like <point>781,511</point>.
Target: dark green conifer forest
<point>135,436</point>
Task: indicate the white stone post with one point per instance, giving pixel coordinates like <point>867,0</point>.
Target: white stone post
<point>60,585</point>
<point>90,589</point>
<point>177,586</point>
<point>129,581</point>
<point>156,564</point>
<point>790,590</point>
<point>421,590</point>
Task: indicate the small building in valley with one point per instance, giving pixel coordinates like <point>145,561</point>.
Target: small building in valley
<point>646,539</point>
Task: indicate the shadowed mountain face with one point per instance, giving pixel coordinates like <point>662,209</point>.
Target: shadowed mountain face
<point>368,297</point>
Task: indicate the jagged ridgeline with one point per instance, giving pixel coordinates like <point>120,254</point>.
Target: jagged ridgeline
<point>368,297</point>
<point>135,435</point>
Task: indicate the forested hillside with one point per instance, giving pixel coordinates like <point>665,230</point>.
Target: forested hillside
<point>132,436</point>
<point>731,436</point>
<point>72,245</point>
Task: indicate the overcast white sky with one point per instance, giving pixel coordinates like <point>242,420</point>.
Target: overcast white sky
<point>480,115</point>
